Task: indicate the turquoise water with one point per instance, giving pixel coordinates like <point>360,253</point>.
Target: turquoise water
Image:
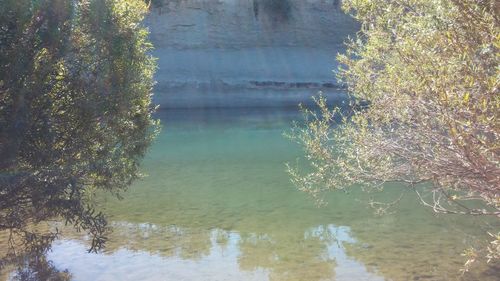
<point>217,204</point>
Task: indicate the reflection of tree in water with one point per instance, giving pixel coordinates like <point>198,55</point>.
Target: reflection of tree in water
<point>300,252</point>
<point>23,254</point>
<point>307,260</point>
<point>35,267</point>
<point>385,245</point>
<point>295,254</point>
<point>27,261</point>
<point>400,246</point>
<point>167,241</point>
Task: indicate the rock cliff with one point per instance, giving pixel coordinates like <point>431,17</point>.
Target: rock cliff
<point>218,53</point>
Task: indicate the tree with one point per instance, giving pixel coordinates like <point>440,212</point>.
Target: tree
<point>76,79</point>
<point>429,73</point>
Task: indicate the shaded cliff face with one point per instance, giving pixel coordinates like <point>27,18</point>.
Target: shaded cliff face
<point>249,23</point>
<point>217,53</point>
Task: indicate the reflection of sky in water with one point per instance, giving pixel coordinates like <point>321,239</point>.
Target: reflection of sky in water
<point>123,264</point>
<point>346,267</point>
<point>220,263</point>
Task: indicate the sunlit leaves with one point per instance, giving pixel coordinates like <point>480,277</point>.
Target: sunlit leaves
<point>76,109</point>
<point>430,71</point>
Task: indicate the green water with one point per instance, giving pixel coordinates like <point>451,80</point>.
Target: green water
<point>217,204</point>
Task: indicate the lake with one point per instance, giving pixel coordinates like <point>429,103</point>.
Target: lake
<point>217,204</point>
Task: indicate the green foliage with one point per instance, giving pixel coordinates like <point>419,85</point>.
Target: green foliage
<point>76,81</point>
<point>156,3</point>
<point>430,71</point>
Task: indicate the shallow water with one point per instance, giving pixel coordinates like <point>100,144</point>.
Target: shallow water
<point>218,205</point>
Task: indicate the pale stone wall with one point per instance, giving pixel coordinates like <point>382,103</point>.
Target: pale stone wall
<point>249,23</point>
<point>246,52</point>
